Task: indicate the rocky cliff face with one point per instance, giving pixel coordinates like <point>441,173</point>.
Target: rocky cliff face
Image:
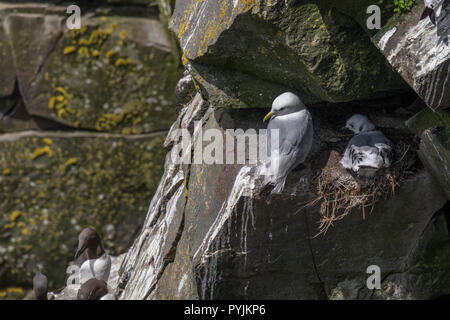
<point>242,53</point>
<point>83,115</point>
<point>208,235</point>
<point>419,51</point>
<point>208,232</point>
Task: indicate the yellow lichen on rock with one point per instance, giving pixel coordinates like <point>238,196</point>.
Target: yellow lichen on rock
<point>62,91</point>
<point>60,103</point>
<point>84,52</point>
<point>128,131</point>
<point>70,49</point>
<point>41,151</point>
<point>14,215</point>
<point>184,60</point>
<point>71,161</point>
<point>123,62</point>
<point>9,225</point>
<point>110,54</point>
<point>110,120</point>
<point>123,34</point>
<point>14,290</point>
<point>51,103</point>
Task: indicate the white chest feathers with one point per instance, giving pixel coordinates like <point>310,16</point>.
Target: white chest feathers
<point>96,268</point>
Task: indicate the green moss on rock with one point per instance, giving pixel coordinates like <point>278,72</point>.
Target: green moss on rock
<point>315,50</point>
<point>115,74</point>
<point>54,184</point>
<point>122,83</point>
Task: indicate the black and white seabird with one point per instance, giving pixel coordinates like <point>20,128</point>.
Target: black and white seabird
<point>433,9</point>
<point>368,150</point>
<point>40,286</point>
<point>92,289</point>
<point>290,119</point>
<point>92,259</point>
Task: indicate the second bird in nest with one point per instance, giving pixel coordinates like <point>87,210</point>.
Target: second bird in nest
<point>368,150</point>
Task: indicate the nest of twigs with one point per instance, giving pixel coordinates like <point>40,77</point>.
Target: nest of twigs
<point>340,191</point>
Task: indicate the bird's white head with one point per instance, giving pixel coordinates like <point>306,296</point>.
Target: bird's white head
<point>359,123</point>
<point>285,103</point>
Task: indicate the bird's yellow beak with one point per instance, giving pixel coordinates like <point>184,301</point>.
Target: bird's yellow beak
<point>268,116</point>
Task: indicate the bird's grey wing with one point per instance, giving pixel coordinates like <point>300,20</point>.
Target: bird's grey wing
<point>380,138</point>
<point>369,139</point>
<point>362,147</point>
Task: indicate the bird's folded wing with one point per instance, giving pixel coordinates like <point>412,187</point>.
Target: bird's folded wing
<point>292,132</point>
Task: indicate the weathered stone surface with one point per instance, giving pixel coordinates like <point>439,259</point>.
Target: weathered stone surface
<point>419,51</point>
<point>435,154</point>
<point>115,74</point>
<point>433,127</point>
<point>156,246</point>
<point>31,49</point>
<point>8,77</point>
<point>232,245</point>
<point>53,184</point>
<point>14,116</point>
<point>185,90</point>
<point>427,277</point>
<point>242,53</point>
<point>166,9</point>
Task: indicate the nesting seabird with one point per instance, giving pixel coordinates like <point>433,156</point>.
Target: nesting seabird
<point>368,150</point>
<point>295,134</point>
<point>93,289</point>
<point>92,259</point>
<point>433,9</point>
<point>40,286</point>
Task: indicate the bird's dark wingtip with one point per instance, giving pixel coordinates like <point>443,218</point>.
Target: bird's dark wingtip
<point>428,12</point>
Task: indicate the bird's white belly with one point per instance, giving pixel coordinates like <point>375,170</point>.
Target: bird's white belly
<point>108,296</point>
<point>96,268</point>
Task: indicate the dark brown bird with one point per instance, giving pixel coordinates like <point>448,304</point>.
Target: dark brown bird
<point>89,246</point>
<point>92,289</point>
<point>40,286</point>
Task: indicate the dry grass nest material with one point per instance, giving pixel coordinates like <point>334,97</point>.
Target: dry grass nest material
<point>340,191</point>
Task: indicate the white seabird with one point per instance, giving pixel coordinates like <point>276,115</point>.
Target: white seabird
<point>92,259</point>
<point>433,9</point>
<point>368,150</point>
<point>96,268</point>
<point>290,119</point>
